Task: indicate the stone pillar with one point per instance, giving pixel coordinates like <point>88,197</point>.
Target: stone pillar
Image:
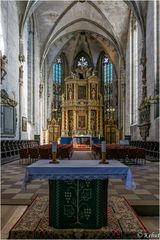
<point>21,52</point>
<point>20,99</point>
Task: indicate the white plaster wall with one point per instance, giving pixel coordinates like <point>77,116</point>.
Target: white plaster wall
<point>139,67</point>
<point>127,96</point>
<point>37,82</point>
<point>133,130</point>
<point>25,135</point>
<point>135,133</point>
<point>34,127</point>
<point>10,47</point>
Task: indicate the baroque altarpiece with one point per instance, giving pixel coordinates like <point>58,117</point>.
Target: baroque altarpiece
<point>82,105</point>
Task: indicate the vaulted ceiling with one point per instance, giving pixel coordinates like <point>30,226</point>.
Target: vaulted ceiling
<point>71,26</point>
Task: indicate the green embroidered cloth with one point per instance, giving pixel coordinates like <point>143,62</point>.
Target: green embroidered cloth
<point>78,203</point>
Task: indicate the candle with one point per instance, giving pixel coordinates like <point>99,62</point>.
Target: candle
<point>103,146</point>
<point>54,147</point>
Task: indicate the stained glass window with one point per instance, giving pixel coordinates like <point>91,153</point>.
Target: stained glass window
<point>57,87</point>
<point>107,70</point>
<point>82,62</point>
<point>107,79</point>
<point>57,71</point>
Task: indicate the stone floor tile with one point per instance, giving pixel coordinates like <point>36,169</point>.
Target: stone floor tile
<point>23,196</point>
<point>33,186</point>
<point>141,191</point>
<point>12,190</point>
<point>150,187</point>
<point>157,196</point>
<point>5,186</point>
<point>131,196</point>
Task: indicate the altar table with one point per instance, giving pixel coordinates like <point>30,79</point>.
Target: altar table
<point>78,190</point>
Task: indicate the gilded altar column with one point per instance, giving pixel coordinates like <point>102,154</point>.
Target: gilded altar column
<point>101,128</point>
<point>75,97</point>
<point>89,121</point>
<point>66,131</point>
<point>66,92</point>
<point>63,133</point>
<point>97,127</point>
<point>89,91</point>
<point>74,121</point>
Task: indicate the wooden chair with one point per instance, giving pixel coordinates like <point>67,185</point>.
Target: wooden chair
<point>24,154</point>
<point>33,154</point>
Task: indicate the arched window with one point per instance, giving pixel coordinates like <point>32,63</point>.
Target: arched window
<point>107,85</point>
<point>57,74</point>
<point>57,71</point>
<point>133,70</point>
<point>82,60</point>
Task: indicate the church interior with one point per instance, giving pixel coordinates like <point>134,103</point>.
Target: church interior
<point>79,90</point>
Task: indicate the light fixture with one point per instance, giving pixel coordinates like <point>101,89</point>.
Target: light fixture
<point>110,109</point>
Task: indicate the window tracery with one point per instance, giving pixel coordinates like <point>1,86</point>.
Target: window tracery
<point>57,72</point>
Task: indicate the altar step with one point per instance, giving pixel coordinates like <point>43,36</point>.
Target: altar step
<point>81,147</point>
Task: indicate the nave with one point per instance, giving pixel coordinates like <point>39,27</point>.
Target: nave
<point>80,72</point>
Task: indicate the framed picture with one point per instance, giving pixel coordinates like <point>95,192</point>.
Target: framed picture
<point>81,92</point>
<point>81,122</point>
<point>8,120</point>
<point>24,124</point>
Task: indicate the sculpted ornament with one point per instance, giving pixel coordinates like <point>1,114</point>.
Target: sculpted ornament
<point>3,63</point>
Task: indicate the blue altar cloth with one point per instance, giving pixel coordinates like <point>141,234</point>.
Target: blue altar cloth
<point>79,169</point>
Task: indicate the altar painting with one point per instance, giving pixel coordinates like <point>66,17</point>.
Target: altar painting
<point>82,122</point>
<point>81,92</point>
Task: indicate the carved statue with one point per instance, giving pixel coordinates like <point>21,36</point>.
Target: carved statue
<point>143,63</point>
<point>88,72</point>
<point>63,97</point>
<point>4,61</point>
<point>21,72</point>
<point>94,72</point>
<point>73,75</point>
<point>93,91</point>
<point>70,92</point>
<point>40,89</point>
<point>81,72</point>
<point>21,58</point>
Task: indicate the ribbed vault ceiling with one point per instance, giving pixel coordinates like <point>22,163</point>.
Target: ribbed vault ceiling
<point>60,24</point>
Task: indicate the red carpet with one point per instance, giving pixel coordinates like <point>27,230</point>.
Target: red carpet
<point>81,147</point>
